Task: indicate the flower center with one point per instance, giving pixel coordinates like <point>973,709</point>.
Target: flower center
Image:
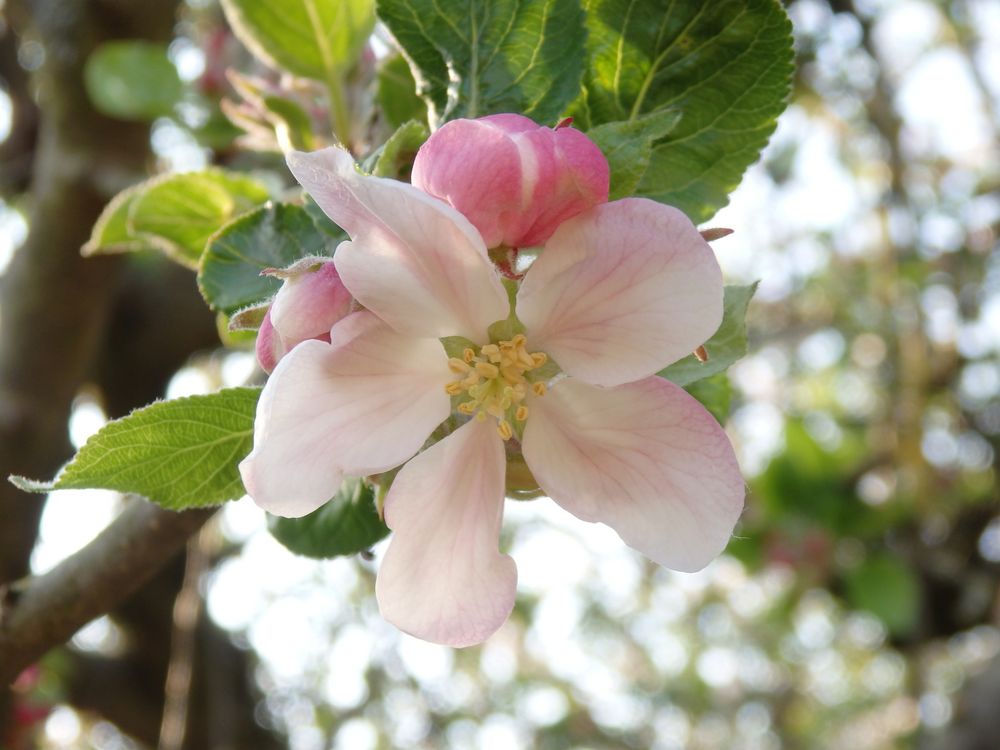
<point>495,382</point>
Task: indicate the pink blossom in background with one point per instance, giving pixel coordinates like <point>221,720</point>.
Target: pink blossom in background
<point>620,291</point>
<point>516,181</point>
<point>311,299</point>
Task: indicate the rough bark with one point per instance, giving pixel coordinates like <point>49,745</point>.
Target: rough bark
<point>48,609</point>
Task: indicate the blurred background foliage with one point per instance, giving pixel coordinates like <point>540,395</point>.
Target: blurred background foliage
<point>858,606</point>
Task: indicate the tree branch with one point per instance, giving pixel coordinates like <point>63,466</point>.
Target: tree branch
<point>41,612</point>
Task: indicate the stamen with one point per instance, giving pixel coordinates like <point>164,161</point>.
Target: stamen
<point>494,381</point>
<point>487,370</point>
<point>503,427</point>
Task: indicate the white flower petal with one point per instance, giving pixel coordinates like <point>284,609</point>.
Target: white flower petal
<point>362,404</point>
<point>646,459</point>
<point>414,261</point>
<point>443,578</point>
<point>621,291</point>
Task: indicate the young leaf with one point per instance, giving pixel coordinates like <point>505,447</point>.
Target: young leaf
<point>346,525</point>
<point>310,38</point>
<point>725,65</point>
<point>396,94</point>
<point>628,147</point>
<point>727,345</point>
<point>179,454</point>
<point>477,58</point>
<point>292,126</point>
<point>111,234</point>
<point>273,236</point>
<point>132,80</point>
<point>179,212</point>
<point>395,157</point>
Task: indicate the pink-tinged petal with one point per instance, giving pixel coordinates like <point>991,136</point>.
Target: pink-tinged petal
<point>269,348</point>
<point>362,404</point>
<point>414,261</point>
<point>646,459</point>
<point>515,180</point>
<point>443,578</point>
<point>309,303</point>
<point>622,291</point>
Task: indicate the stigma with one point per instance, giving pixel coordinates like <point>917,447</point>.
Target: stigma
<point>496,381</point>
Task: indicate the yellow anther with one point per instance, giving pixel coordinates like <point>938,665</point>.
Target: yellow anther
<point>487,370</point>
<point>458,366</point>
<point>493,381</point>
<point>503,427</point>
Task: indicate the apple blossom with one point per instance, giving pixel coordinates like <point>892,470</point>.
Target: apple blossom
<point>515,180</point>
<point>568,381</point>
<point>311,299</point>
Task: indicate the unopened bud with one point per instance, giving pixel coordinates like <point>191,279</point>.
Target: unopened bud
<point>515,180</point>
<point>311,300</point>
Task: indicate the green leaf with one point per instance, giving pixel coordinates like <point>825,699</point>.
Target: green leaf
<point>715,394</point>
<point>111,234</point>
<point>180,454</point>
<point>346,525</point>
<point>396,94</point>
<point>395,157</point>
<point>273,236</point>
<point>628,147</point>
<point>481,57</point>
<point>311,38</point>
<point>132,80</point>
<point>292,126</point>
<point>724,348</point>
<point>725,65</point>
<point>888,589</point>
<point>178,213</point>
<point>321,221</point>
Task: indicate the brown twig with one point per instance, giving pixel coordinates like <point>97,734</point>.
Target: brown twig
<point>187,608</point>
<point>41,612</point>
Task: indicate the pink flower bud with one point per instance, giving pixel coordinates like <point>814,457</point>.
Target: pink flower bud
<point>269,348</point>
<point>516,181</point>
<point>311,300</point>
